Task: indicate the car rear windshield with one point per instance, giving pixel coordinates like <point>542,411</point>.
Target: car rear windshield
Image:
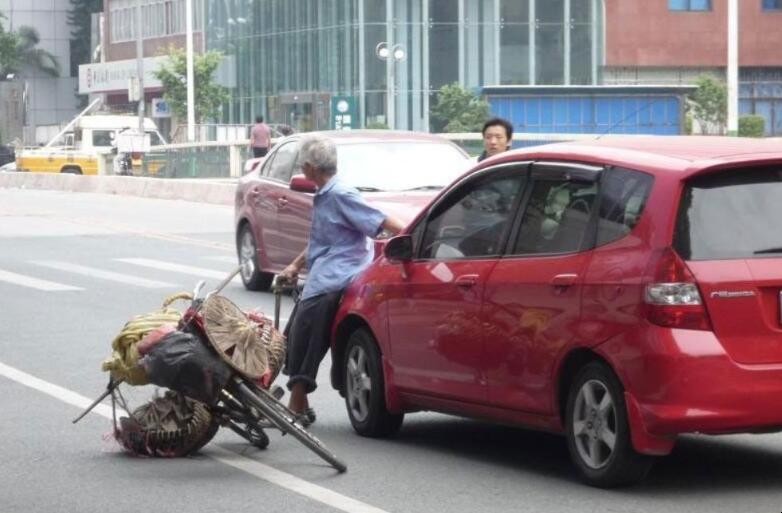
<point>731,214</point>
<point>400,166</point>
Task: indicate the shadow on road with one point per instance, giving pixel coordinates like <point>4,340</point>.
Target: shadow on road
<point>716,464</point>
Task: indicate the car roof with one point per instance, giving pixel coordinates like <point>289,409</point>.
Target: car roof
<point>683,155</point>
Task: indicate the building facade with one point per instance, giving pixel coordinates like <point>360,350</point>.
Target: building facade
<point>675,41</point>
<point>295,57</point>
<point>50,101</point>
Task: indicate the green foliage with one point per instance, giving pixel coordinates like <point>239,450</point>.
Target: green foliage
<point>710,102</point>
<point>80,18</point>
<point>18,49</point>
<point>209,96</point>
<point>688,123</point>
<point>752,126</point>
<point>8,55</point>
<point>458,110</point>
<point>376,125</point>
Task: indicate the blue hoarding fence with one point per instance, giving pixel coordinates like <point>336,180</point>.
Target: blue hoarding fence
<point>651,110</point>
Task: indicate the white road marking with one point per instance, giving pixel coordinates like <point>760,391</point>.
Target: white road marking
<point>232,459</point>
<point>104,275</point>
<point>177,268</point>
<point>35,283</point>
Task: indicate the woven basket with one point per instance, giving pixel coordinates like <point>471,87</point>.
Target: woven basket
<point>249,344</point>
<point>167,427</point>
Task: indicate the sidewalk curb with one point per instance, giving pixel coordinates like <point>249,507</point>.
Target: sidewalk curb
<point>201,191</point>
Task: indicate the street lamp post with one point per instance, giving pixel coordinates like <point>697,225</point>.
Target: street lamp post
<point>733,67</point>
<point>190,71</point>
<point>392,55</point>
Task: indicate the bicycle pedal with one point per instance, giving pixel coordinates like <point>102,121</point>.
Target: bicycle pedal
<point>277,392</point>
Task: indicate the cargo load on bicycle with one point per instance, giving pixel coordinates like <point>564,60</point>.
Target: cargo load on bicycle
<point>217,362</point>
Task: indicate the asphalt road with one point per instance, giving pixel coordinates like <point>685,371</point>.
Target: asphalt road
<point>75,267</point>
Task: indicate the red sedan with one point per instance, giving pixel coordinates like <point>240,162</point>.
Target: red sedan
<point>398,172</point>
<point>620,292</point>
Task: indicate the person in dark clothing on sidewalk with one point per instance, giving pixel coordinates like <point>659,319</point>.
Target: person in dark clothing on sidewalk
<point>497,134</point>
<point>339,248</point>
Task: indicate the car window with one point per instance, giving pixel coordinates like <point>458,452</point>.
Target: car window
<point>731,214</point>
<point>102,137</point>
<point>281,167</point>
<point>623,195</point>
<point>474,220</point>
<point>556,216</point>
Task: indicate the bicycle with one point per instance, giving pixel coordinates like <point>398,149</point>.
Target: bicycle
<point>190,413</point>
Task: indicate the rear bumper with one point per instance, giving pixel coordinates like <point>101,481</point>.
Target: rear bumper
<point>683,381</point>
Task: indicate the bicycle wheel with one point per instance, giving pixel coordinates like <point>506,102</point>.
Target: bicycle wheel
<point>284,419</point>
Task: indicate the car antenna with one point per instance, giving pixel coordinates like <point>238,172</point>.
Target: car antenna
<point>636,111</point>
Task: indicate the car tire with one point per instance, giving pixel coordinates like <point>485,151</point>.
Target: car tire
<point>247,250</point>
<point>365,397</point>
<point>597,430</point>
<point>71,170</point>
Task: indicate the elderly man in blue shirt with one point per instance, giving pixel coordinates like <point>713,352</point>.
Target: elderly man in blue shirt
<point>339,248</point>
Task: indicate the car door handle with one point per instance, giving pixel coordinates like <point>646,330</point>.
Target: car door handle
<point>282,202</point>
<point>467,281</point>
<point>564,280</point>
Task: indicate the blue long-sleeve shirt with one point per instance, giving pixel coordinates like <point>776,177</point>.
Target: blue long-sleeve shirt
<point>340,246</point>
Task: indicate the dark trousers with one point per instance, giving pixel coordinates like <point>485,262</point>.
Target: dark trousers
<point>259,152</point>
<point>308,338</point>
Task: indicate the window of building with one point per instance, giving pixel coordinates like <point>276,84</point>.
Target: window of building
<point>772,5</point>
<point>160,18</point>
<point>689,5</point>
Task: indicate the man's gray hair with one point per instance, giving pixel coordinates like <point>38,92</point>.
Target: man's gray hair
<point>319,152</point>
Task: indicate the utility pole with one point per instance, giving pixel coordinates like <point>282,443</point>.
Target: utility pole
<point>190,73</point>
<point>140,68</point>
<point>733,67</point>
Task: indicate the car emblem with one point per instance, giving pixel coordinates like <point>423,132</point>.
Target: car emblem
<point>729,294</point>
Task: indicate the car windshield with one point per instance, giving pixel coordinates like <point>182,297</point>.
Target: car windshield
<point>400,166</point>
<point>732,214</point>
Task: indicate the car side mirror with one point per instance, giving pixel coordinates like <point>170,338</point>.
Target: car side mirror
<point>399,248</point>
<point>299,183</point>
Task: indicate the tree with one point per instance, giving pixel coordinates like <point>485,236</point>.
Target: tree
<point>709,104</point>
<point>80,18</point>
<point>8,56</point>
<point>18,50</point>
<point>458,110</point>
<point>209,96</point>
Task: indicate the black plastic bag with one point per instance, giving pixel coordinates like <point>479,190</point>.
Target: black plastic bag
<point>187,365</point>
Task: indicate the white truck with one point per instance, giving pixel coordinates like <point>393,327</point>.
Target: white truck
<point>86,140</point>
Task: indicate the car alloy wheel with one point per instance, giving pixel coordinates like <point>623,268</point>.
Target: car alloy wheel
<point>247,255</point>
<point>247,250</point>
<point>364,387</point>
<point>598,433</point>
<point>594,424</point>
<point>359,384</point>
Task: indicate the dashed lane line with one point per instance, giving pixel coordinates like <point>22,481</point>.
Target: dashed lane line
<point>104,275</point>
<point>176,268</point>
<point>35,283</point>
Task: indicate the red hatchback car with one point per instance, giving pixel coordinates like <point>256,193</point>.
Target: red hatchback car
<point>398,172</point>
<point>621,292</point>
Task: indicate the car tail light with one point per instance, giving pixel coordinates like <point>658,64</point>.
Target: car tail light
<point>672,299</point>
